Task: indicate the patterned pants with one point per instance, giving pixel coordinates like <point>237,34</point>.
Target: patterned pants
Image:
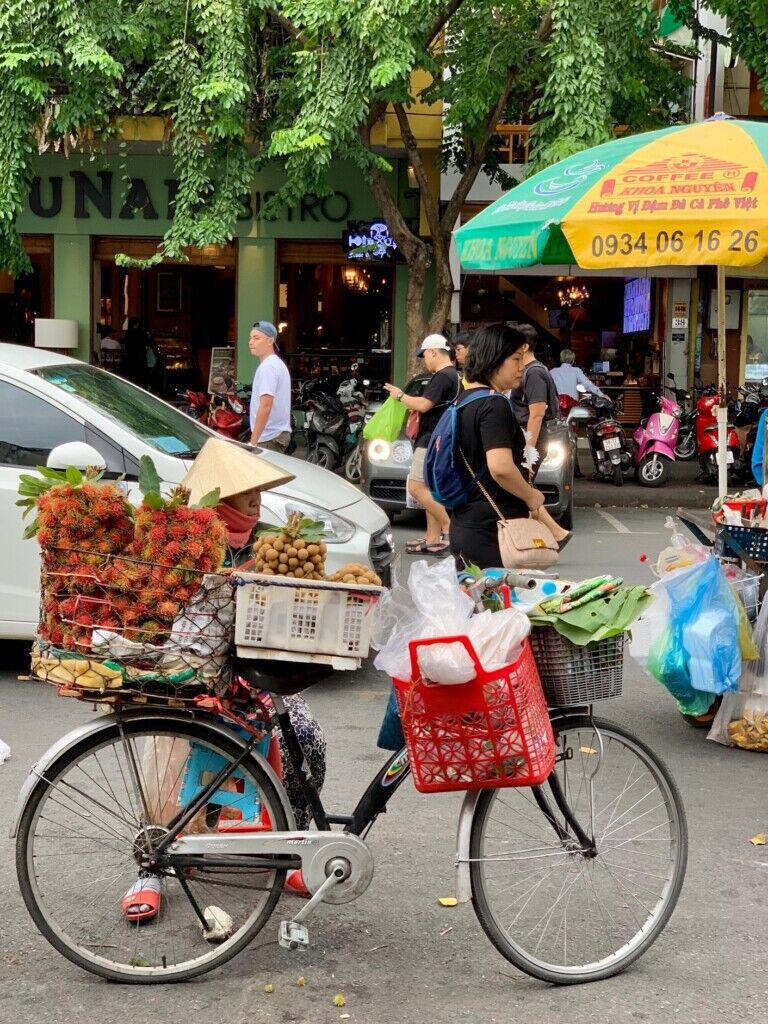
<point>312,742</point>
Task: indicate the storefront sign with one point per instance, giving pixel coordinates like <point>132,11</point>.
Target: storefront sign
<point>679,323</point>
<point>94,194</point>
<point>370,241</point>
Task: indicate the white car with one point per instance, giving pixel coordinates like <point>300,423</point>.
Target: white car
<point>48,400</point>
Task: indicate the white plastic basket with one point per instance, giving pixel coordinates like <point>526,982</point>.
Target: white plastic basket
<point>290,620</point>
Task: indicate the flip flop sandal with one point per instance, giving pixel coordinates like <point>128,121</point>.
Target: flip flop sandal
<point>564,541</point>
<point>416,547</point>
<point>145,892</point>
<point>294,884</point>
<point>438,550</point>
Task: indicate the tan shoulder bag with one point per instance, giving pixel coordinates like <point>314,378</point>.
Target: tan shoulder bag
<point>523,543</point>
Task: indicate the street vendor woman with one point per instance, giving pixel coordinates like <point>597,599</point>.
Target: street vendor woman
<point>240,477</point>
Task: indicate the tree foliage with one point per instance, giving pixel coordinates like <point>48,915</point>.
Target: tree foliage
<point>304,81</point>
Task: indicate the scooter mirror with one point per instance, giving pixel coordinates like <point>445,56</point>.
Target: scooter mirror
<point>670,376</point>
<point>581,389</point>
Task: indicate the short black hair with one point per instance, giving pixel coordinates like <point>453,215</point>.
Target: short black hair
<point>489,348</point>
<point>463,338</point>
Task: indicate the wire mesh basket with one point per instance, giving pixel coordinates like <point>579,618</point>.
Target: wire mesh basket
<point>746,586</point>
<point>573,675</point>
<point>111,624</point>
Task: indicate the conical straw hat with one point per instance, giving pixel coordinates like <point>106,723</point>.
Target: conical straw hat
<point>232,469</point>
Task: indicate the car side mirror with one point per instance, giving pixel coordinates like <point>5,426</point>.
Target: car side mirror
<point>77,454</point>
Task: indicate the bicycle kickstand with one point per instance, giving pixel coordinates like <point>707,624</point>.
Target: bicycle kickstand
<point>295,935</point>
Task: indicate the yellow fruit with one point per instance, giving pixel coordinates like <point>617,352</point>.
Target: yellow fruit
<point>349,578</point>
<point>323,548</point>
<point>283,558</point>
<point>302,555</point>
<point>313,549</point>
<point>291,551</point>
<point>282,570</point>
<point>298,573</point>
<point>293,562</point>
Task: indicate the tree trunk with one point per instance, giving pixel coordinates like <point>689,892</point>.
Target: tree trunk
<point>436,320</point>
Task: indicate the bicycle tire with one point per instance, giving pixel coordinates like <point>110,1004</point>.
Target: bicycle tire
<point>55,930</point>
<point>617,961</point>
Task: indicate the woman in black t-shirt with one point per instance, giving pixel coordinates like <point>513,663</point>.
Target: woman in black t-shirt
<point>492,441</point>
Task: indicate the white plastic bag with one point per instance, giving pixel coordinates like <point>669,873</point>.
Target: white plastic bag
<point>681,553</point>
<point>5,751</point>
<point>434,606</point>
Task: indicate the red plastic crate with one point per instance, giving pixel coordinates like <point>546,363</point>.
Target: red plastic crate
<point>491,732</point>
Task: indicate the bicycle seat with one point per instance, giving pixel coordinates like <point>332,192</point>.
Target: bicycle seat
<point>281,677</point>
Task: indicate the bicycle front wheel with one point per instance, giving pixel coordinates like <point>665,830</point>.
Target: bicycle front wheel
<point>556,909</point>
<point>102,807</point>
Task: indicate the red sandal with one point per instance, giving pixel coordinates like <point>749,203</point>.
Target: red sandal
<point>145,892</point>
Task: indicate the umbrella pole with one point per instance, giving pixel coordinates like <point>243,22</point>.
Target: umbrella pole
<point>722,411</point>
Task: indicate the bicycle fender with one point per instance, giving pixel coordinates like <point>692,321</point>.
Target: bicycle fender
<point>105,722</point>
<point>463,836</point>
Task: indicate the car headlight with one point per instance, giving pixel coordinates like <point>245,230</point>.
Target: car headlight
<point>555,456</point>
<point>379,451</point>
<point>336,529</point>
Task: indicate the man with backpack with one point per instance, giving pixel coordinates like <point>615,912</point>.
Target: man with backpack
<point>535,401</point>
<point>424,412</point>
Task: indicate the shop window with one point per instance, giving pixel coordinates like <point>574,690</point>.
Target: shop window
<point>334,313</point>
<point>28,296</point>
<point>30,427</point>
<point>756,367</point>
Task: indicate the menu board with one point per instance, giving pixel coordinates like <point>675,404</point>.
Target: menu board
<point>223,372</point>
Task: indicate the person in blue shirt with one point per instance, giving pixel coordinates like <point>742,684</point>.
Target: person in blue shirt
<point>758,452</point>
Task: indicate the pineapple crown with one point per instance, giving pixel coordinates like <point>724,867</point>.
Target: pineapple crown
<point>298,525</point>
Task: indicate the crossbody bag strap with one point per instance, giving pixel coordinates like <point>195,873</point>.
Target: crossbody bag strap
<point>483,490</point>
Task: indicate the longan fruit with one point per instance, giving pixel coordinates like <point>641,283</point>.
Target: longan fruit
<point>313,549</point>
<point>267,572</point>
<point>293,562</point>
<point>282,558</point>
<point>316,559</point>
<point>298,573</point>
<point>278,544</point>
<point>323,548</point>
<point>349,578</point>
<point>299,544</point>
<point>301,554</point>
<point>290,551</point>
<point>282,570</point>
<point>269,552</point>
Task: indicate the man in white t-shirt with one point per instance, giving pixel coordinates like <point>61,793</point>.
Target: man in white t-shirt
<point>271,398</point>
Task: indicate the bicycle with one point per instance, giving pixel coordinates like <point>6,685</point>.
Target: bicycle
<point>571,880</point>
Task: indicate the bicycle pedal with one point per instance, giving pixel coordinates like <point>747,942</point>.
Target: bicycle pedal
<point>293,935</point>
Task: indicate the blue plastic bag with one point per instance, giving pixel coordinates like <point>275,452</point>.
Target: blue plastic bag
<point>704,621</point>
<point>391,732</point>
<point>668,662</point>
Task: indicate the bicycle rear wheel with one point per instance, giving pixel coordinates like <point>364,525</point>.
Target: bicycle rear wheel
<point>552,909</point>
<point>90,822</point>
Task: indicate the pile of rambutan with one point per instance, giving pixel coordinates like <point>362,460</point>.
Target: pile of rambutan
<point>107,566</point>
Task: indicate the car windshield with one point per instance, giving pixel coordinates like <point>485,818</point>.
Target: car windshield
<point>156,423</point>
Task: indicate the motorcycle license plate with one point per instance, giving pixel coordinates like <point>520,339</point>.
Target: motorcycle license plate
<point>610,444</point>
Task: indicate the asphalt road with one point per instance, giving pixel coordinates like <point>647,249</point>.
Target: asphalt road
<point>396,955</point>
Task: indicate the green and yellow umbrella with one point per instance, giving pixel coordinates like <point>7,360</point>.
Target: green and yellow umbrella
<point>689,195</point>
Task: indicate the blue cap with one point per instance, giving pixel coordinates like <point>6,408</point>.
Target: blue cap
<point>265,327</point>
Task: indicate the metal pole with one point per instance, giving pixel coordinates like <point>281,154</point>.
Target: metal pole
<point>722,411</point>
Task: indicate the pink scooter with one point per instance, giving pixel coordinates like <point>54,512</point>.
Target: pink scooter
<point>655,441</point>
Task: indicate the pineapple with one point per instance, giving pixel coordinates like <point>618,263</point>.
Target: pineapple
<point>296,550</point>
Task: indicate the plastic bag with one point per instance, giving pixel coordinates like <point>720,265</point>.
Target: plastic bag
<point>5,751</point>
<point>704,615</point>
<point>391,731</point>
<point>387,422</point>
<point>742,719</point>
<point>432,605</point>
<point>668,662</point>
<point>681,553</point>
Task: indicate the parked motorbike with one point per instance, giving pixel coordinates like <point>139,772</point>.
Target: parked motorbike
<point>707,436</point>
<point>685,446</point>
<point>227,414</point>
<point>608,443</point>
<point>655,441</point>
<point>331,426</point>
<point>355,403</point>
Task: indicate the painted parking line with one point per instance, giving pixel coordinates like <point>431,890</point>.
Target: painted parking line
<point>619,527</point>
